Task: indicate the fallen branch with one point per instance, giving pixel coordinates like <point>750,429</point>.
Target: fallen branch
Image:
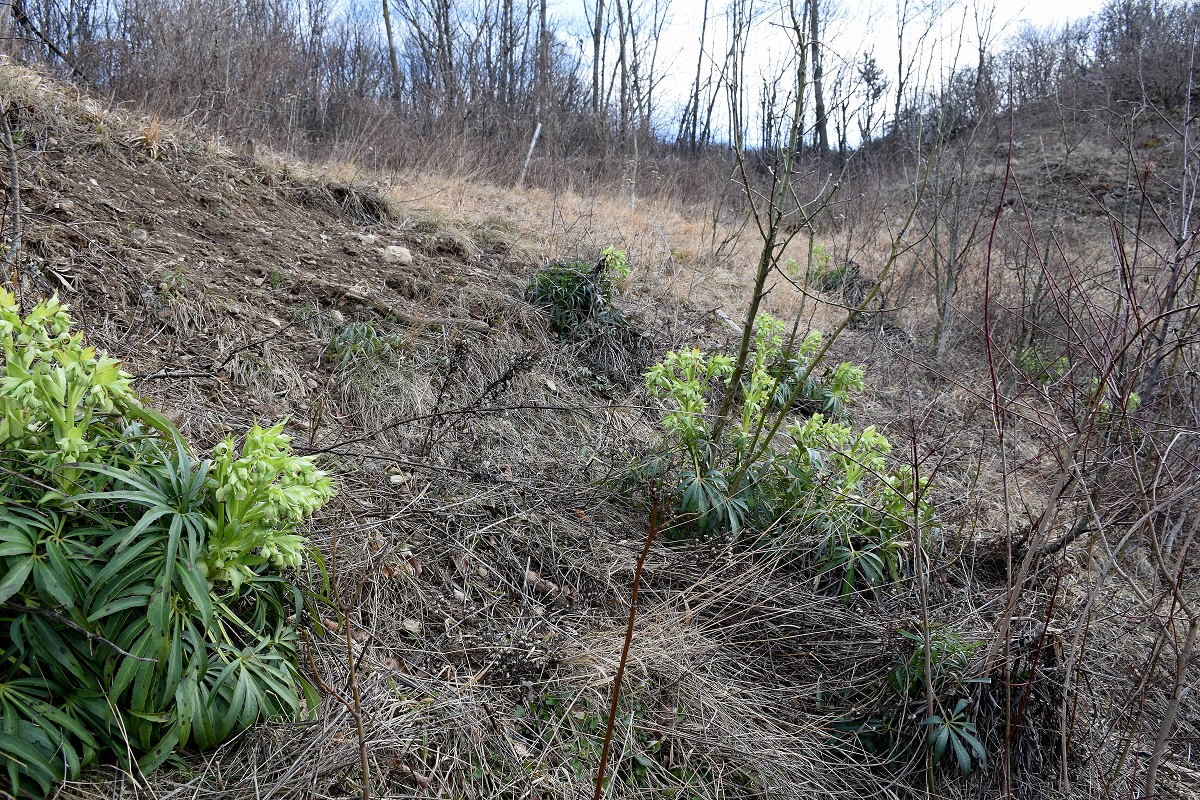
<point>14,190</point>
<point>358,296</point>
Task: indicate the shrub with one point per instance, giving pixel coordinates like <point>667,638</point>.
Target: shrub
<point>1039,367</point>
<point>579,295</point>
<point>823,488</point>
<point>890,728</point>
<point>579,299</point>
<point>142,608</point>
<point>362,341</point>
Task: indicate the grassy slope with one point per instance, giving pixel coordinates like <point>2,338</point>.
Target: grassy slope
<point>485,571</point>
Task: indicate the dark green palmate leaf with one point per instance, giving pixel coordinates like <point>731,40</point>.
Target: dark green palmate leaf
<point>115,641</point>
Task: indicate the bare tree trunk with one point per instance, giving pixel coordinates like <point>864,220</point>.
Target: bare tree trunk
<point>1182,661</point>
<point>6,31</point>
<point>543,60</point>
<point>623,50</point>
<point>597,48</point>
<point>818,92</point>
<point>902,73</point>
<point>692,115</point>
<point>391,39</point>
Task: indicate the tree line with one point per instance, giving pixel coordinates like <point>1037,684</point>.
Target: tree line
<point>391,78</point>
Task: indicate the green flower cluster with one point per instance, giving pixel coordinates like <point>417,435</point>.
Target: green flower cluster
<point>820,487</point>
<point>113,645</point>
<point>261,494</point>
<point>57,397</point>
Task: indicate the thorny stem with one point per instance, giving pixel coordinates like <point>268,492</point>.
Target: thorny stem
<point>616,693</point>
<point>998,423</point>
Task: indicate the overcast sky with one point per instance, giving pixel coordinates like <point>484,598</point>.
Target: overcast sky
<point>861,25</point>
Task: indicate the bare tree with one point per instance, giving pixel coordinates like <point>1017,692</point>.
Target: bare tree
<point>814,35</point>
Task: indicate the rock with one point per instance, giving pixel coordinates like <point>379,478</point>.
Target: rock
<point>392,254</point>
<point>728,321</point>
<point>139,236</point>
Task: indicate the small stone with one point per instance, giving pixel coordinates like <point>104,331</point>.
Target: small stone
<point>259,281</point>
<point>411,626</point>
<point>393,254</point>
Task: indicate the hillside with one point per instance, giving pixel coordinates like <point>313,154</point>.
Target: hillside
<point>482,544</point>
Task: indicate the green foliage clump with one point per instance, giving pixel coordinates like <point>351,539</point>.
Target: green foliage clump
<point>363,341</point>
<point>818,264</point>
<point>819,487</point>
<point>803,391</point>
<point>1039,367</point>
<point>888,730</point>
<point>579,296</point>
<point>825,274</point>
<point>141,604</point>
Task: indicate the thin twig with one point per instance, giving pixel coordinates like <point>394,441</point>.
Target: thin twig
<point>220,365</point>
<point>352,679</point>
<point>14,190</point>
<point>616,693</point>
<point>95,637</point>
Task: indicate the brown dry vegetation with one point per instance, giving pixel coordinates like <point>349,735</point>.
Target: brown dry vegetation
<point>485,567</point>
<point>486,561</point>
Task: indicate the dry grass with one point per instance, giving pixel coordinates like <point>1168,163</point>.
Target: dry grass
<point>483,555</point>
